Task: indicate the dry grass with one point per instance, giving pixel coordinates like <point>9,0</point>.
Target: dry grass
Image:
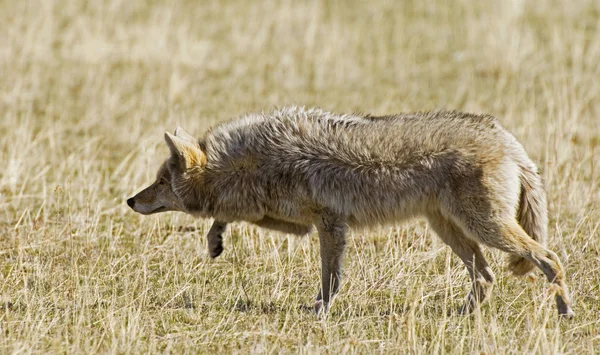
<point>88,88</point>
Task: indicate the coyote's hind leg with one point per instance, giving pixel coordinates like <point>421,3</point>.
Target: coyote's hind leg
<point>507,235</point>
<point>517,242</point>
<point>469,252</point>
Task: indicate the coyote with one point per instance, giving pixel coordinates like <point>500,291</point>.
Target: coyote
<point>294,168</point>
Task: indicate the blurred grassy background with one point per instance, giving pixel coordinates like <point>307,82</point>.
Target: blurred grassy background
<point>88,88</point>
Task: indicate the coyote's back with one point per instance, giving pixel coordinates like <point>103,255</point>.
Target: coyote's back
<point>371,169</point>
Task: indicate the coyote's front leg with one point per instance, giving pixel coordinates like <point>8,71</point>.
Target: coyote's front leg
<point>332,241</point>
<point>215,238</point>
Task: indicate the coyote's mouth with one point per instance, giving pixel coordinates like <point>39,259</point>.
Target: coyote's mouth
<point>156,210</point>
<point>159,209</point>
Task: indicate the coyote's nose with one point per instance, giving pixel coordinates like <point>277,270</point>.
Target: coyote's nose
<point>131,202</point>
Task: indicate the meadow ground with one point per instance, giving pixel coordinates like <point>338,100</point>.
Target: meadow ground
<point>87,90</point>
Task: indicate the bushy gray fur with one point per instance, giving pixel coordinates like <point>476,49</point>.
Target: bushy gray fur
<point>294,168</point>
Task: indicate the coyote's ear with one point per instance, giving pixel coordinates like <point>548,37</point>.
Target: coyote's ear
<point>187,153</point>
<point>181,133</point>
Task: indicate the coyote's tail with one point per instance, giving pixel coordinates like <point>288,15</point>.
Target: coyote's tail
<point>532,214</point>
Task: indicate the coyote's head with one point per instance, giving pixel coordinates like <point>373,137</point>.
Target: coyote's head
<point>175,179</point>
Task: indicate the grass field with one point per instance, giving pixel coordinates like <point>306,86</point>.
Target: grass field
<point>87,90</point>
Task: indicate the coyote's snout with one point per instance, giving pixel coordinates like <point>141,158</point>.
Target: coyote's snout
<point>158,197</point>
<point>292,169</point>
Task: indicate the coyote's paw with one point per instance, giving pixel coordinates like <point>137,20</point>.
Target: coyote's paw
<point>569,314</point>
<point>466,309</point>
<point>216,250</point>
<point>564,310</point>
<point>319,307</point>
